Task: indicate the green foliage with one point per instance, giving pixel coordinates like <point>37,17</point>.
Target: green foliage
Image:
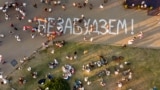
<point>144,63</point>
<point>57,84</point>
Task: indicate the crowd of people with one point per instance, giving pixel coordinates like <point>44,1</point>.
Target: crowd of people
<point>94,64</point>
<point>78,85</point>
<point>139,36</point>
<point>67,69</point>
<point>53,64</point>
<point>17,6</point>
<point>20,14</point>
<point>122,68</point>
<point>72,57</point>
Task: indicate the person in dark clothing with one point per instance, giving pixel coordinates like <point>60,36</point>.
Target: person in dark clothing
<point>45,9</point>
<point>84,4</point>
<point>11,25</point>
<point>15,28</point>
<point>75,53</point>
<point>35,5</point>
<point>105,1</point>
<point>90,6</point>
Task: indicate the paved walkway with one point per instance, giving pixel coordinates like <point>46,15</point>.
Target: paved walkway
<point>11,49</point>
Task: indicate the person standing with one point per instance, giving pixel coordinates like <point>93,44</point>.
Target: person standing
<point>0,58</point>
<point>64,7</point>
<point>101,6</point>
<point>11,25</point>
<point>90,6</point>
<point>35,5</point>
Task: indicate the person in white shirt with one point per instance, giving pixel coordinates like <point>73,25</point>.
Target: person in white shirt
<point>1,76</point>
<point>0,58</point>
<point>101,6</point>
<point>140,35</point>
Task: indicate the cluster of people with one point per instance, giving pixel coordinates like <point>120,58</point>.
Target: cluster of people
<point>52,2</point>
<point>102,82</point>
<point>17,37</point>
<point>117,58</point>
<point>126,72</point>
<point>21,80</point>
<point>88,39</point>
<point>105,72</point>
<point>83,4</point>
<point>86,79</point>
<point>142,5</point>
<point>121,68</point>
<point>4,80</point>
<point>70,57</point>
<point>80,5</point>
<point>86,3</point>
<point>59,43</point>
<point>45,44</point>
<point>68,70</point>
<point>34,74</point>
<point>55,2</point>
<point>19,7</point>
<point>35,30</point>
<point>79,21</point>
<point>40,31</point>
<point>43,80</point>
<point>53,64</point>
<point>139,36</point>
<point>78,85</point>
<point>90,66</point>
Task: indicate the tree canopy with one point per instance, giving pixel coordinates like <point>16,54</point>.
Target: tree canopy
<point>57,84</point>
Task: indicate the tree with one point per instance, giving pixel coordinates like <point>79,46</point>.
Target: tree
<point>57,84</point>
